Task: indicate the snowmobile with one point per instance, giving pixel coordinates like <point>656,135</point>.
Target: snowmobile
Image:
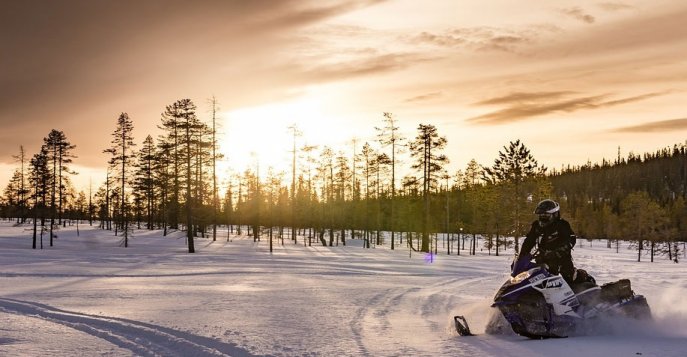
<point>538,304</point>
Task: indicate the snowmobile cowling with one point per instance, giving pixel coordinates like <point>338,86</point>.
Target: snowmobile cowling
<point>538,304</point>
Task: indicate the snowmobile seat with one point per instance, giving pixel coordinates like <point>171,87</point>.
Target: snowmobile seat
<point>617,290</point>
<point>587,293</point>
<point>582,287</point>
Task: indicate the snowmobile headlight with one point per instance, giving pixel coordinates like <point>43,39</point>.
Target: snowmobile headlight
<point>520,277</point>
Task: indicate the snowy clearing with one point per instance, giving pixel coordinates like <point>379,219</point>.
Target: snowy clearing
<point>87,296</point>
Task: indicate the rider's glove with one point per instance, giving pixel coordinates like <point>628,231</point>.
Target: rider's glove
<point>558,253</point>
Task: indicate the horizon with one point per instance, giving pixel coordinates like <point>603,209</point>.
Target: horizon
<point>573,81</point>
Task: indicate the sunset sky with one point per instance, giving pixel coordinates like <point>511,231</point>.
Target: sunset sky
<point>574,80</point>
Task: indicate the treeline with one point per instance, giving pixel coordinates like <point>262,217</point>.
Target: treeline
<point>38,189</point>
<point>170,183</point>
<point>640,198</point>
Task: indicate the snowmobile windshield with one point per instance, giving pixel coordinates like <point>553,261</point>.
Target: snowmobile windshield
<point>525,275</point>
<point>520,277</point>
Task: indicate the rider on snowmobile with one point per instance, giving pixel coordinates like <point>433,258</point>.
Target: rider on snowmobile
<point>554,240</point>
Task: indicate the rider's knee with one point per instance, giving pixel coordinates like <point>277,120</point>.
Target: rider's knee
<point>581,276</point>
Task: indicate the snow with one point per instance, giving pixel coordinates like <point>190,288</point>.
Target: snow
<point>87,296</point>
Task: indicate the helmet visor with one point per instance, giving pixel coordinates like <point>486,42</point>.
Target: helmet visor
<point>545,217</point>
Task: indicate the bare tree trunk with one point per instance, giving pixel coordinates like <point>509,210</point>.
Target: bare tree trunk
<point>35,220</point>
<point>639,251</point>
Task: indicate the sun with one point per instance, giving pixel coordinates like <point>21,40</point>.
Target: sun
<point>260,137</point>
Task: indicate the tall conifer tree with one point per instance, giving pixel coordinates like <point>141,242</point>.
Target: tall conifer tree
<point>121,160</point>
<point>425,150</point>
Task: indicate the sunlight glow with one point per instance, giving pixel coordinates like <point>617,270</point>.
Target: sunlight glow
<point>261,134</point>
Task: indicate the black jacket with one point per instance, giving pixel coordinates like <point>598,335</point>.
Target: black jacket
<point>555,237</point>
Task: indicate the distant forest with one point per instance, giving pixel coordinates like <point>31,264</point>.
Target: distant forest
<point>330,195</point>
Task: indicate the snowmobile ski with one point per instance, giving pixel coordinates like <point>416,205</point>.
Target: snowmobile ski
<point>462,326</point>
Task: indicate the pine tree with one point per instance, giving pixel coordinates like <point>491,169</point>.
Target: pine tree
<point>473,174</point>
<point>295,132</point>
<point>342,183</point>
<point>641,217</point>
<point>13,196</point>
<point>425,150</point>
<point>367,157</point>
<point>59,152</point>
<point>215,156</point>
<point>307,193</point>
<point>78,209</point>
<point>186,144</point>
<point>121,161</point>
<point>21,188</point>
<point>325,173</point>
<point>164,181</point>
<point>381,164</point>
<point>144,181</point>
<point>172,144</point>
<point>40,179</point>
<point>202,157</point>
<point>188,125</point>
<point>389,136</point>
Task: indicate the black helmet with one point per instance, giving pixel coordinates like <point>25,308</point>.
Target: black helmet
<point>547,211</point>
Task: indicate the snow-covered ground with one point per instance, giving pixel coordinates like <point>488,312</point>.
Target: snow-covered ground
<point>87,296</point>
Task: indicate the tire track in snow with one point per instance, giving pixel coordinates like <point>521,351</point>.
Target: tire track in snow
<point>357,323</point>
<point>373,318</point>
<point>431,305</point>
<point>440,298</point>
<point>380,305</point>
<point>390,304</point>
<point>143,339</point>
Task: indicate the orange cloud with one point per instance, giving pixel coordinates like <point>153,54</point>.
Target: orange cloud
<point>83,61</point>
<point>614,6</point>
<point>424,97</point>
<point>655,126</point>
<point>578,14</point>
<point>522,106</point>
<point>479,38</point>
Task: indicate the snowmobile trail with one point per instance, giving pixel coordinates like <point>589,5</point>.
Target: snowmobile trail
<point>142,339</point>
<point>411,318</point>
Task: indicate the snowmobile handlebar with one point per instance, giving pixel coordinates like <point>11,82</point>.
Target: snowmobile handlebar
<point>521,263</point>
<point>524,262</point>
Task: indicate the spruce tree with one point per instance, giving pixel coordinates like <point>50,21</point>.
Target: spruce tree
<point>514,166</point>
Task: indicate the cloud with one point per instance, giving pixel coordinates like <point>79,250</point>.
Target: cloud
<point>370,65</point>
<point>656,126</point>
<point>298,16</point>
<point>81,61</point>
<point>632,99</point>
<point>658,33</point>
<point>481,38</point>
<point>578,14</point>
<point>521,112</point>
<point>521,105</point>
<point>518,97</point>
<point>614,6</point>
<point>424,97</point>
<point>445,40</point>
